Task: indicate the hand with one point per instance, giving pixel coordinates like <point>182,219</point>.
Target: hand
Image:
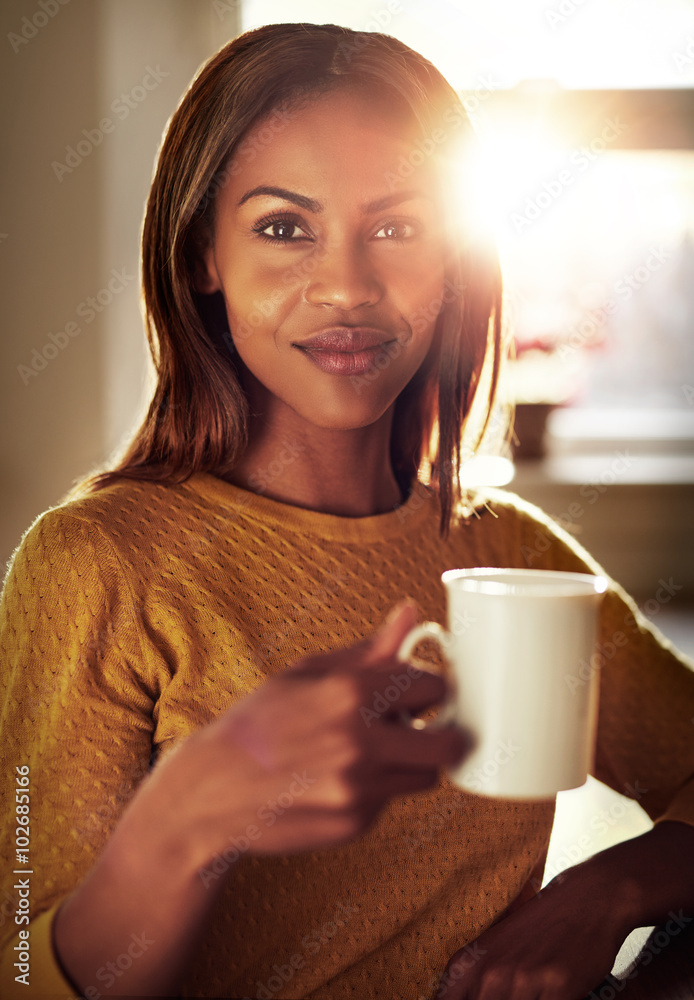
<point>557,946</point>
<point>294,766</point>
<point>302,763</point>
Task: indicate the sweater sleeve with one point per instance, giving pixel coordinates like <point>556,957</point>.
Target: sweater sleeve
<point>645,739</point>
<point>77,706</point>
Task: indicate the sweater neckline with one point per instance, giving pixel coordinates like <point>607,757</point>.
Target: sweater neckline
<point>420,505</point>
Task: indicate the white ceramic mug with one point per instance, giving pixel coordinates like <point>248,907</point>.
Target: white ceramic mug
<point>520,647</point>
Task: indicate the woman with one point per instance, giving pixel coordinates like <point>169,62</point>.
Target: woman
<point>211,815</point>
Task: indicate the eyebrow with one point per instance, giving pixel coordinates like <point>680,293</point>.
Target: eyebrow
<point>394,199</point>
<point>311,205</point>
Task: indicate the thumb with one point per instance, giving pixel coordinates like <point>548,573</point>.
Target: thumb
<point>387,641</point>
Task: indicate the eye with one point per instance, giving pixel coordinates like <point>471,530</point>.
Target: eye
<point>280,229</point>
<point>396,231</point>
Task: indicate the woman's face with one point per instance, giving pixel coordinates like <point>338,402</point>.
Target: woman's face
<point>331,265</point>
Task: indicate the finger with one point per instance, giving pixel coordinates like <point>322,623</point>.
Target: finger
<point>459,981</point>
<point>377,693</point>
<point>390,636</point>
<point>403,692</point>
<point>383,785</point>
<point>396,744</point>
<point>503,983</point>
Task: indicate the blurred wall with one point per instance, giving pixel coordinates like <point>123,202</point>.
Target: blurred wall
<point>640,532</point>
<point>88,86</point>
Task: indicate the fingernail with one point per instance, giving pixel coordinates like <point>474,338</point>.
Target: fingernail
<point>395,612</point>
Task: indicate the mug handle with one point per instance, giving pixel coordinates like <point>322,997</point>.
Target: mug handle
<point>427,630</point>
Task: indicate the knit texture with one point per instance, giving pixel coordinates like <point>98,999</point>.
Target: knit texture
<point>132,617</point>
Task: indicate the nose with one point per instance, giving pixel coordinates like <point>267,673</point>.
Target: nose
<point>344,277</point>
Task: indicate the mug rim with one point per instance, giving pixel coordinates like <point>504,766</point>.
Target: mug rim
<point>527,583</point>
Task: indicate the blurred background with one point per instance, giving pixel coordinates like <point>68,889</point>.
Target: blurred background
<point>585,115</point>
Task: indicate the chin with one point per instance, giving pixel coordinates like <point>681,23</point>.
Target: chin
<point>346,415</point>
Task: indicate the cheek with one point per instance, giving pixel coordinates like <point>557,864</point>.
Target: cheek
<point>415,282</point>
<point>259,299</point>
<point>422,300</point>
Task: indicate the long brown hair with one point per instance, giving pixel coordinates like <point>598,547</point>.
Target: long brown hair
<point>198,417</point>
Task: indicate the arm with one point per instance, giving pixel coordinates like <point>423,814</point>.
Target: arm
<point>562,943</point>
<point>140,888</point>
<point>142,899</point>
<point>567,937</point>
<point>651,875</point>
<point>153,877</point>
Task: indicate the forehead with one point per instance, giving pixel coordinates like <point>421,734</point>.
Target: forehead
<point>337,144</point>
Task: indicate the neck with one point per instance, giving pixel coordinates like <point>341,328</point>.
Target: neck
<point>343,472</point>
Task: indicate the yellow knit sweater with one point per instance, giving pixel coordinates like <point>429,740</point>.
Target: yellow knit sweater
<point>136,615</point>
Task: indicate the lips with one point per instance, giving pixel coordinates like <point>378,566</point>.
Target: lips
<point>345,339</point>
<point>347,350</point>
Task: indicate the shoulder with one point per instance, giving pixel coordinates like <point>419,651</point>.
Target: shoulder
<point>526,535</point>
<point>492,499</point>
<point>120,503</point>
<point>501,503</point>
<point>94,532</point>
